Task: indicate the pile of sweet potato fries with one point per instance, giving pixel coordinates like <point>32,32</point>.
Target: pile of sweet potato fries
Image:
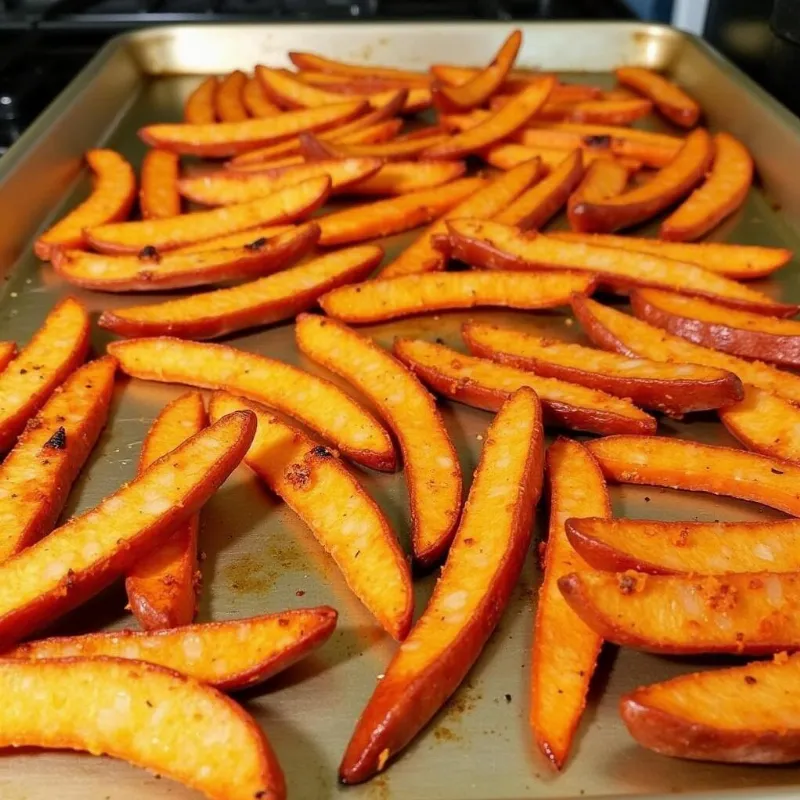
<point>279,144</point>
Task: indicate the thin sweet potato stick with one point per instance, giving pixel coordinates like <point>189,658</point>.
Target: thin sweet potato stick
<point>257,237</point>
<point>256,102</point>
<point>315,402</point>
<point>622,111</point>
<point>509,154</point>
<point>603,179</point>
<point>395,150</point>
<point>401,177</point>
<point>199,108</point>
<point>671,101</point>
<point>344,519</point>
<point>316,63</point>
<point>158,193</point>
<point>228,103</point>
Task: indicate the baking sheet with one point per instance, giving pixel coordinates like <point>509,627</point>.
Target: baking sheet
<point>258,556</point>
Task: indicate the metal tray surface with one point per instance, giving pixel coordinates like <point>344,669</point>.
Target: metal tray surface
<point>258,556</point>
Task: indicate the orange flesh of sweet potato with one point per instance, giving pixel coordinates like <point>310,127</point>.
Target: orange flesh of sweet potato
<point>397,149</point>
<point>256,101</point>
<point>55,350</point>
<point>313,401</point>
<point>484,384</point>
<point>400,177</point>
<point>158,194</point>
<point>564,648</point>
<point>603,179</point>
<point>745,612</point>
<point>199,108</point>
<point>228,104</point>
<point>256,303</point>
<point>162,587</point>
<point>670,100</point>
<point>316,63</point>
<point>622,111</point>
<point>433,473</point>
<point>139,712</point>
<point>509,154</point>
<point>673,389</point>
<point>482,568</point>
<point>239,239</point>
<point>83,556</point>
<point>344,519</point>
<point>113,193</point>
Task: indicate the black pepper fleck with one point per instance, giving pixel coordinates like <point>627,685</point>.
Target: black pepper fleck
<point>58,441</point>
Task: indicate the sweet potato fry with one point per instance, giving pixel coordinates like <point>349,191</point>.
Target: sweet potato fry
<point>395,214</point>
<point>742,613</point>
<point>199,108</point>
<point>162,587</point>
<point>483,384</point>
<point>604,178</point>
<point>285,205</point>
<point>257,237</point>
<point>37,474</point>
<point>139,712</point>
<point>401,177</point>
<point>228,655</point>
<point>432,469</point>
<point>564,648</point>
<point>158,193</point>
<point>491,245</point>
<point>231,138</point>
<point>742,715</point>
<point>228,105</point>
<point>344,519</point>
<point>341,84</point>
<point>177,270</point>
<point>516,81</point>
<point>673,389</point>
<point>674,548</point>
<point>671,101</point>
<point>379,300</point>
<point>112,196</point>
<point>262,302</point>
<point>482,568</point>
<point>255,101</point>
<point>396,150</point>
<point>315,402</point>
<point>317,63</point>
<point>603,111</point>
<point>509,154</point>
<point>55,351</point>
<point>8,350</point>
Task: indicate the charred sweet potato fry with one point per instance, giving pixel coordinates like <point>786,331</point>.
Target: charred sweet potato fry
<point>401,177</point>
<point>257,237</point>
<point>670,100</point>
<point>138,712</point>
<point>199,108</point>
<point>112,196</point>
<point>158,193</point>
<point>262,302</point>
<point>564,648</point>
<point>673,389</point>
<point>483,384</point>
<point>228,103</point>
<point>318,63</point>
<point>344,519</point>
<point>603,179</point>
<point>255,101</point>
<point>483,566</point>
<point>433,473</point>
<point>315,402</point>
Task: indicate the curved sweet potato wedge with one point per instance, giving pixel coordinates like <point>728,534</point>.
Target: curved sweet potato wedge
<point>379,300</point>
<point>394,150</point>
<point>139,712</point>
<point>257,237</point>
<point>737,715</point>
<point>694,548</point>
<point>341,84</point>
<point>315,402</point>
<point>199,108</point>
<point>151,272</point>
<point>231,138</point>
<point>516,81</point>
<point>670,184</point>
<point>317,63</point>
<point>344,519</point>
<point>743,613</point>
<point>509,154</point>
<point>401,177</point>
<point>256,303</point>
<point>603,179</point>
<point>564,648</point>
<point>56,350</point>
<point>483,384</point>
<point>158,193</point>
<point>285,205</point>
<point>670,100</point>
<point>621,111</point>
<point>481,570</point>
<point>228,103</point>
<point>433,473</point>
<point>256,101</point>
<point>673,389</point>
<point>490,245</point>
<point>112,196</point>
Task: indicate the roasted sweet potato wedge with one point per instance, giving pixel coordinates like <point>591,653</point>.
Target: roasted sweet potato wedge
<point>395,150</point>
<point>158,193</point>
<point>379,300</point>
<point>139,712</point>
<point>564,648</point>
<point>482,568</point>
<point>621,111</point>
<point>112,196</point>
<point>317,63</point>
<point>673,389</point>
<point>670,100</point>
<point>255,303</point>
<point>256,101</point>
<point>8,350</point>
<point>342,84</point>
<point>344,519</point>
<point>433,473</point>
<point>199,108</point>
<point>228,101</point>
<point>257,237</point>
<point>315,402</point>
<point>510,154</point>
<point>401,177</point>
<point>603,179</point>
<point>483,384</point>
<point>516,81</point>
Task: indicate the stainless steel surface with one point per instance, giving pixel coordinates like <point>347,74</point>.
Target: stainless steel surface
<point>258,556</point>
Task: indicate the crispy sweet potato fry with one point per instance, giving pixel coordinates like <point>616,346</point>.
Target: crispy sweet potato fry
<point>379,300</point>
<point>671,101</point>
<point>341,84</point>
<point>55,350</point>
<point>139,712</point>
<point>516,81</point>
<point>603,179</point>
<point>261,302</point>
<point>433,473</point>
<point>344,519</point>
<point>317,63</point>
<point>250,236</point>
<point>284,205</point>
<point>673,389</point>
<point>162,587</point>
<point>199,108</point>
<point>255,100</point>
<point>396,150</point>
<point>482,568</point>
<point>315,402</point>
<point>509,154</point>
<point>158,194</point>
<point>401,177</point>
<point>228,103</point>
<point>483,384</point>
<point>621,111</point>
<point>564,648</point>
<point>112,196</point>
